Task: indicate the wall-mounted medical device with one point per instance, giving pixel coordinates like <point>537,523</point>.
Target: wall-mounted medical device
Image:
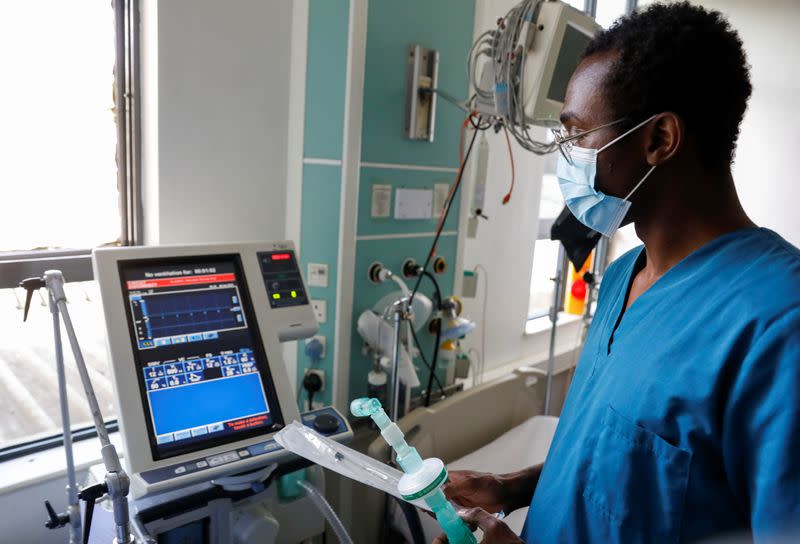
<point>529,60</point>
<point>422,73</point>
<point>519,70</point>
<point>561,35</point>
<point>193,334</point>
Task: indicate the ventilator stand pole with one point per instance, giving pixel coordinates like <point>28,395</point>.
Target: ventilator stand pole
<point>73,506</point>
<point>400,314</point>
<point>558,289</point>
<point>117,483</point>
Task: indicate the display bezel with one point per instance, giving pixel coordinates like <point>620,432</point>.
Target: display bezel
<point>158,451</point>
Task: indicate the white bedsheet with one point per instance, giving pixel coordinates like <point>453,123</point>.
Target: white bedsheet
<point>523,446</point>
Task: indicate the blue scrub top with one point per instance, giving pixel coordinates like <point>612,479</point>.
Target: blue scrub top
<point>683,418</point>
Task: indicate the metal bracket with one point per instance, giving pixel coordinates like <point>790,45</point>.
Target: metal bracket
<point>422,73</point>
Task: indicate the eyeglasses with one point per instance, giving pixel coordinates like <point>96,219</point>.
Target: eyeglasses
<point>566,142</point>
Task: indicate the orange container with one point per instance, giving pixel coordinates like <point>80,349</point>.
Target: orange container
<point>575,301</point>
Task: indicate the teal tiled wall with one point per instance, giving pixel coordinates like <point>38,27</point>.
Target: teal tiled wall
<point>392,253</point>
<point>320,244</point>
<point>325,78</point>
<point>406,179</point>
<point>444,25</point>
<point>326,71</point>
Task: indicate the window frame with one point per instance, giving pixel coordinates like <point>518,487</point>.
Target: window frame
<point>590,6</point>
<point>76,264</point>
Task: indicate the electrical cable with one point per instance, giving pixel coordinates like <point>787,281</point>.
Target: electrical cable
<point>446,212</point>
<point>436,289</point>
<point>425,361</point>
<point>513,171</point>
<point>478,126</point>
<point>506,49</point>
<point>460,147</point>
<point>435,359</point>
<point>450,192</point>
<point>428,389</point>
<point>424,271</point>
<point>437,304</point>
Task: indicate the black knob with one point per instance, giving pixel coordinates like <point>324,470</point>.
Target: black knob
<point>326,424</point>
<point>54,520</point>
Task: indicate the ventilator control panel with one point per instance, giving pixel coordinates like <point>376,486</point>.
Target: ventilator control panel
<point>282,279</point>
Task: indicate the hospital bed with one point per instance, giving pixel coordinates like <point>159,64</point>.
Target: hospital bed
<point>494,427</point>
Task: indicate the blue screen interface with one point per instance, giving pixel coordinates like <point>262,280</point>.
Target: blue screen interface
<point>203,373</point>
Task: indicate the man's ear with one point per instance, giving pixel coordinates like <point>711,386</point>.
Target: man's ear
<point>664,138</point>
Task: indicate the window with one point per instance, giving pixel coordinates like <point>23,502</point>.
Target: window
<point>70,181</point>
<point>28,382</point>
<point>577,4</point>
<point>607,11</point>
<point>545,253</point>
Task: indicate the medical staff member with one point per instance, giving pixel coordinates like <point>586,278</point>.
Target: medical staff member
<point>683,419</point>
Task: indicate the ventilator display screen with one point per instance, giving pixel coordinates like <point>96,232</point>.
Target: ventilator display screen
<point>202,371</point>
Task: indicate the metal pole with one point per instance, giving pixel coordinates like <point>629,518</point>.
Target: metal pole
<point>554,308</point>
<point>73,507</point>
<point>398,316</point>
<point>94,407</point>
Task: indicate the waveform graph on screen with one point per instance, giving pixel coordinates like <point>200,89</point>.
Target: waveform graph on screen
<point>188,315</point>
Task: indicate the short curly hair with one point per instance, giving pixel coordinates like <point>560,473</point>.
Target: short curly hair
<point>680,58</point>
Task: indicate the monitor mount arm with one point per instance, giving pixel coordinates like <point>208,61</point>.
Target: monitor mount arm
<point>117,482</point>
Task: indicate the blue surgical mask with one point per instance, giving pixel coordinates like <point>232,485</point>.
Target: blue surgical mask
<point>596,210</point>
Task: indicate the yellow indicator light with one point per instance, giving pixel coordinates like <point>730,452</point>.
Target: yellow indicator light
<point>294,294</point>
<point>276,296</point>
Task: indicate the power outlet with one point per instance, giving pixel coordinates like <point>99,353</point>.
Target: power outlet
<point>319,372</point>
<point>322,340</point>
<point>317,275</point>
<point>320,307</point>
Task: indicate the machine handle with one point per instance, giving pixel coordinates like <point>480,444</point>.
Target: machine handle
<point>55,521</point>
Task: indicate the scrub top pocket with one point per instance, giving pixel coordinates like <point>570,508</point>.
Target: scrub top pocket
<point>637,481</point>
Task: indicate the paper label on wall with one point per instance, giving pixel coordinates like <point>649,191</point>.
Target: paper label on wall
<point>440,192</point>
<point>381,201</point>
<point>413,203</point>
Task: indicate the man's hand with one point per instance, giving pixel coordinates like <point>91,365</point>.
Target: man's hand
<point>476,489</point>
<point>492,492</point>
<point>494,530</point>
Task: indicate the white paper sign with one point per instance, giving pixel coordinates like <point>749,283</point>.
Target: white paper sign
<point>413,203</point>
<point>381,201</point>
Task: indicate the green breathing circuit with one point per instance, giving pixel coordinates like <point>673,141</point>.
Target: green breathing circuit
<point>423,479</point>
